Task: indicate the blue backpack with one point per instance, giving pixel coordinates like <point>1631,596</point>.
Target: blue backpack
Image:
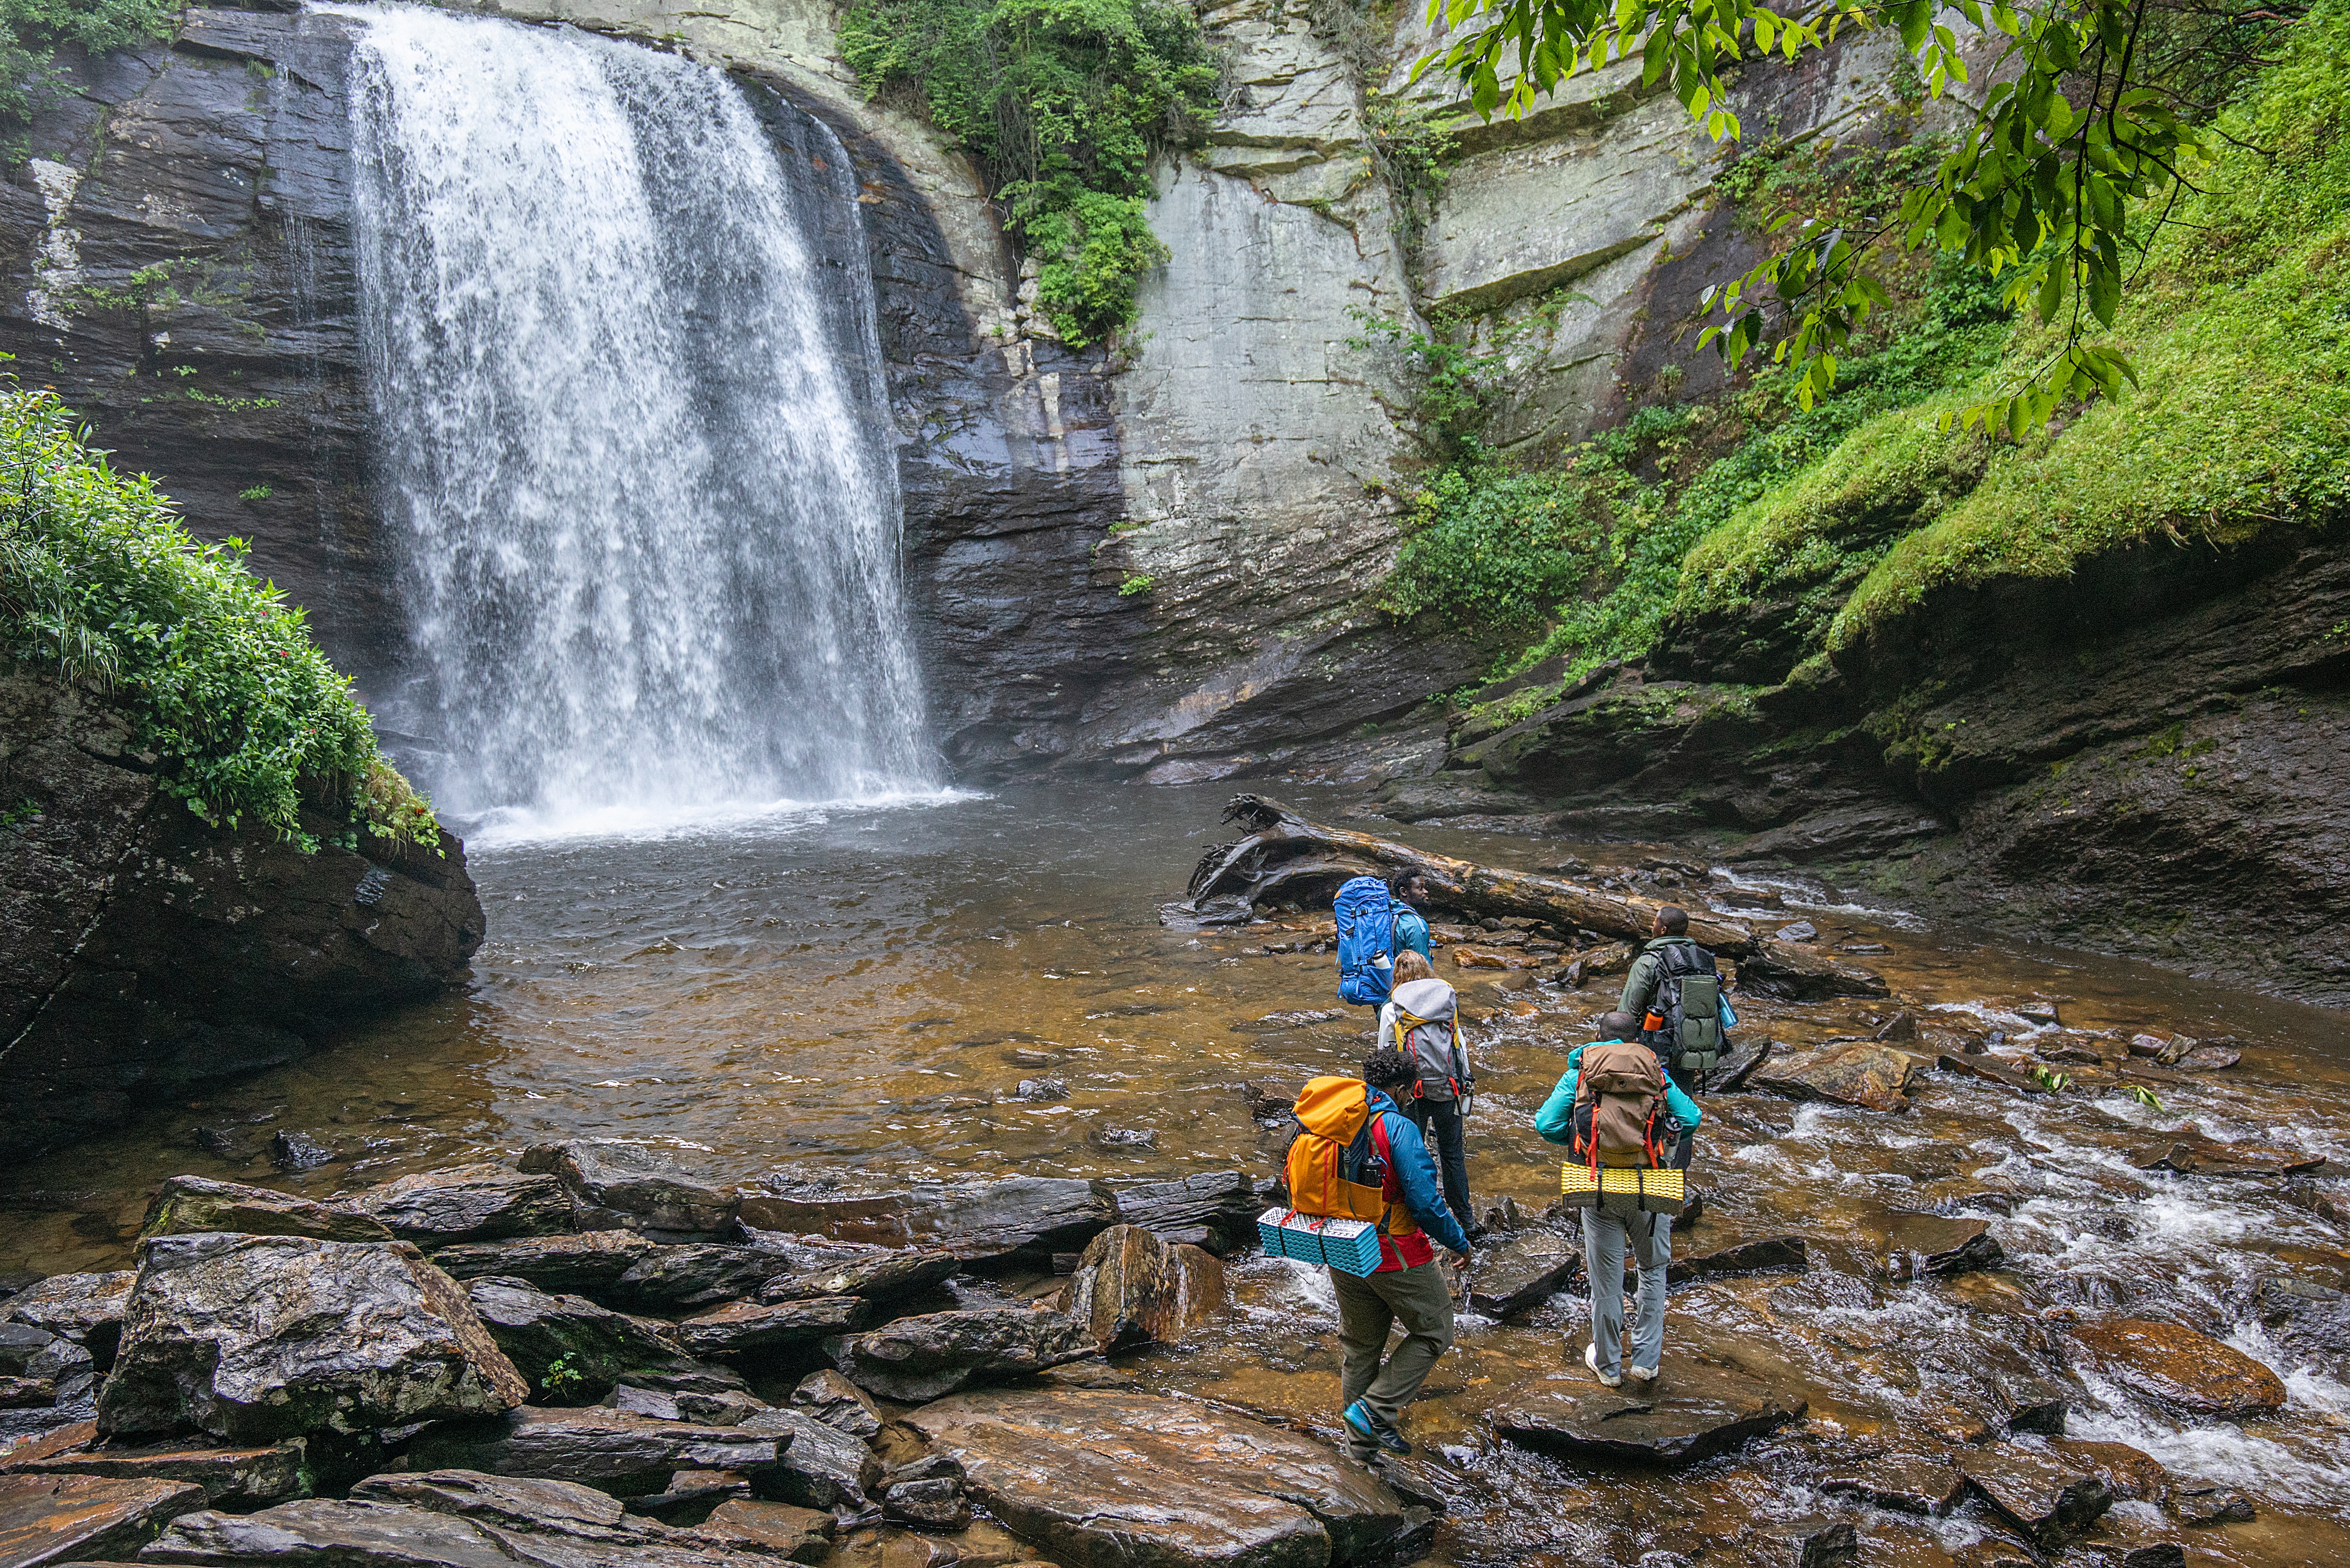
<point>1367,919</point>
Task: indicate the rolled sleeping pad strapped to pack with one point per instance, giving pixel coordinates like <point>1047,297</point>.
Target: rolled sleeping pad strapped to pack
<point>1350,1246</point>
<point>1658,1189</point>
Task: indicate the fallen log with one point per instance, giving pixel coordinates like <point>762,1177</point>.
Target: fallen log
<point>1287,857</point>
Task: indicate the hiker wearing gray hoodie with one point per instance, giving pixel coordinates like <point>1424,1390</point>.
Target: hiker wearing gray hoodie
<point>1420,1018</point>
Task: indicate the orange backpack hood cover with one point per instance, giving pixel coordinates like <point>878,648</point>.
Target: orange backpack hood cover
<point>1333,1107</point>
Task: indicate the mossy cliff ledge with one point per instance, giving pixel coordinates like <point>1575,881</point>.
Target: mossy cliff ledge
<point>145,953</point>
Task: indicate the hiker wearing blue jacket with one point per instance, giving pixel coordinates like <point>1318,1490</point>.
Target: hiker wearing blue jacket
<point>1607,1232</point>
<point>1409,891</point>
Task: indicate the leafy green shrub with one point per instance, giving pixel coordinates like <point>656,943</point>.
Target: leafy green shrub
<point>100,580</point>
<point>31,31</point>
<point>1490,546</point>
<point>1065,102</point>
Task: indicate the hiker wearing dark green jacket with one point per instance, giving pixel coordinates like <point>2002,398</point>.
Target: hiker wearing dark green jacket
<point>1686,1022</point>
<point>1609,1230</point>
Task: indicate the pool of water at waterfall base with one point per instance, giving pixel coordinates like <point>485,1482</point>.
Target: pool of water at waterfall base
<point>858,991</point>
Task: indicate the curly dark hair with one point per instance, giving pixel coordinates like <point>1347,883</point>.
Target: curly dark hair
<point>1386,1067</point>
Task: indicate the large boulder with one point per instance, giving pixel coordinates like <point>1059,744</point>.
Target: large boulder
<point>1795,972</point>
<point>255,1338</point>
<point>1097,1479</point>
<point>1693,1411</point>
<point>469,1203</point>
<point>192,1205</point>
<point>84,1308</point>
<point>567,1348</point>
<point>145,953</point>
<point>1131,1287</point>
<point>928,1357</point>
<point>1867,1075</point>
<point>590,1261</point>
<point>2189,1372</point>
<point>1523,1273</point>
<point>616,1185</point>
<point>625,1455</point>
<point>46,1519</point>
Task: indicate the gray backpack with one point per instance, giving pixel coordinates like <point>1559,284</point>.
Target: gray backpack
<point>1689,998</point>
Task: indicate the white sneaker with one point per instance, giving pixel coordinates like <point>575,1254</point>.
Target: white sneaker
<point>1591,1359</point>
<point>1645,1374</point>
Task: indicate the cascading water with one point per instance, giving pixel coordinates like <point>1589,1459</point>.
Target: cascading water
<point>629,431</point>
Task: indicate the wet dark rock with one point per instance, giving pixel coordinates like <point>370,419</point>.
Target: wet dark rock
<point>298,1151</point>
<point>1905,1483</point>
<point>1773,1254</point>
<point>2191,1153</point>
<point>1693,1411</point>
<point>1801,932</point>
<point>616,1452</point>
<point>795,1535</point>
<point>84,1308</point>
<point>255,1338</point>
<point>583,1347</point>
<point>190,1204</point>
<point>1731,1073</point>
<point>1869,1075</point>
<point>470,1203</point>
<point>1041,1089</point>
<point>1901,1026</point>
<point>838,1404</point>
<point>1932,1244</point>
<point>2048,1499</point>
<point>2210,1059</point>
<point>1805,1543</point>
<point>1994,1386</point>
<point>696,1274</point>
<point>1523,1273</point>
<point>2183,1369</point>
<point>590,1261</point>
<point>878,1277</point>
<point>2132,1475</point>
<point>1992,1070</point>
<point>700,1392</point>
<point>692,1497</point>
<point>145,954</point>
<point>1224,1201</point>
<point>626,1186</point>
<point>1106,1137</point>
<point>53,1518</point>
<point>2303,1315</point>
<point>918,1358</point>
<point>978,1222</point>
<point>764,1328</point>
<point>1132,1287</point>
<point>1795,973</point>
<point>243,1476</point>
<point>2159,1555</point>
<point>937,1504</point>
<point>822,1466</point>
<point>1097,1479</point>
<point>2208,1505</point>
<point>43,1370</point>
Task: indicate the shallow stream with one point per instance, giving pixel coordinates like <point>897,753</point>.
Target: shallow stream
<point>861,992</point>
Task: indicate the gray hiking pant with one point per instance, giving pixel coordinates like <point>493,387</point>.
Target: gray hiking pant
<point>1603,1236</point>
<point>1366,1306</point>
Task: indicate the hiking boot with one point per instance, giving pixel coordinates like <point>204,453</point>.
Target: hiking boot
<point>1363,1424</point>
<point>1591,1359</point>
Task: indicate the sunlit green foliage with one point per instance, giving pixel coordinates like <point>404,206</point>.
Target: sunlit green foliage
<point>100,582</point>
<point>1064,102</point>
<point>31,32</point>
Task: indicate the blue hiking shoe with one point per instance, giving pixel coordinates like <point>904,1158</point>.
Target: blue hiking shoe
<point>1371,1429</point>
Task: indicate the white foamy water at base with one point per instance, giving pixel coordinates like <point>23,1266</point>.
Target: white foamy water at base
<point>516,827</point>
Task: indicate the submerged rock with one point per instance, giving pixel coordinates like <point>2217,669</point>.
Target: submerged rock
<point>2187,1371</point>
<point>1097,1478</point>
<point>626,1186</point>
<point>48,1519</point>
<point>469,1203</point>
<point>1693,1411</point>
<point>2191,1153</point>
<point>1523,1273</point>
<point>2044,1497</point>
<point>1905,1483</point>
<point>191,1204</point>
<point>918,1358</point>
<point>1931,1244</point>
<point>1795,972</point>
<point>625,1455</point>
<point>1772,1254</point>
<point>1131,1287</point>
<point>253,1338</point>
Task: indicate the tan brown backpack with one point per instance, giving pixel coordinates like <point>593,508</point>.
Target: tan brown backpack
<point>1620,1106</point>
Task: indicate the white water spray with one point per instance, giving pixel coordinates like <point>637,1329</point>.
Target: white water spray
<point>631,435</point>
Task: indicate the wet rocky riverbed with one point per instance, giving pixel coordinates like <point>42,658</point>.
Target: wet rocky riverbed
<point>1931,1216</point>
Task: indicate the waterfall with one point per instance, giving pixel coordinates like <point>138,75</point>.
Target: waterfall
<point>631,431</point>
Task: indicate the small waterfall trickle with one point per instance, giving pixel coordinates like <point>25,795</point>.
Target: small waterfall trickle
<point>630,430</point>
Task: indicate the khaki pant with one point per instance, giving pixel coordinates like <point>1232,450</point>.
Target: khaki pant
<point>1366,1307</point>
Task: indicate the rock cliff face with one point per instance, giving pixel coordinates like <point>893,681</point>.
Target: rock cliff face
<point>143,953</point>
<point>176,260</point>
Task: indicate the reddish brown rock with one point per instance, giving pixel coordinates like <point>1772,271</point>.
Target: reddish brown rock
<point>1132,1286</point>
<point>68,1519</point>
<point>2188,1371</point>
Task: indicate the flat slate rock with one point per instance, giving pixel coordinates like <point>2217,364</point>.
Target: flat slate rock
<point>189,1204</point>
<point>1903,1483</point>
<point>469,1203</point>
<point>2131,1474</point>
<point>1523,1273</point>
<point>2187,1371</point>
<point>1107,1480</point>
<point>49,1519</point>
<point>696,1274</point>
<point>798,1534</point>
<point>628,1186</point>
<point>1693,1411</point>
<point>2047,1498</point>
<point>626,1455</point>
<point>928,1357</point>
<point>877,1276</point>
<point>1772,1254</point>
<point>227,1475</point>
<point>2191,1153</point>
<point>756,1328</point>
<point>1795,973</point>
<point>587,1262</point>
<point>1931,1244</point>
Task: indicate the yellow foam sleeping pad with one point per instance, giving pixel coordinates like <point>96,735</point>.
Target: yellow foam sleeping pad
<point>1656,1190</point>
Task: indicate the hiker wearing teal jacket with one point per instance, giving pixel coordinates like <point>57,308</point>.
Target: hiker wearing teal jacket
<point>1608,1234</point>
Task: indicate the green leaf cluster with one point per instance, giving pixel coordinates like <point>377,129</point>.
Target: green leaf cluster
<point>1065,103</point>
<point>100,581</point>
<point>31,33</point>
